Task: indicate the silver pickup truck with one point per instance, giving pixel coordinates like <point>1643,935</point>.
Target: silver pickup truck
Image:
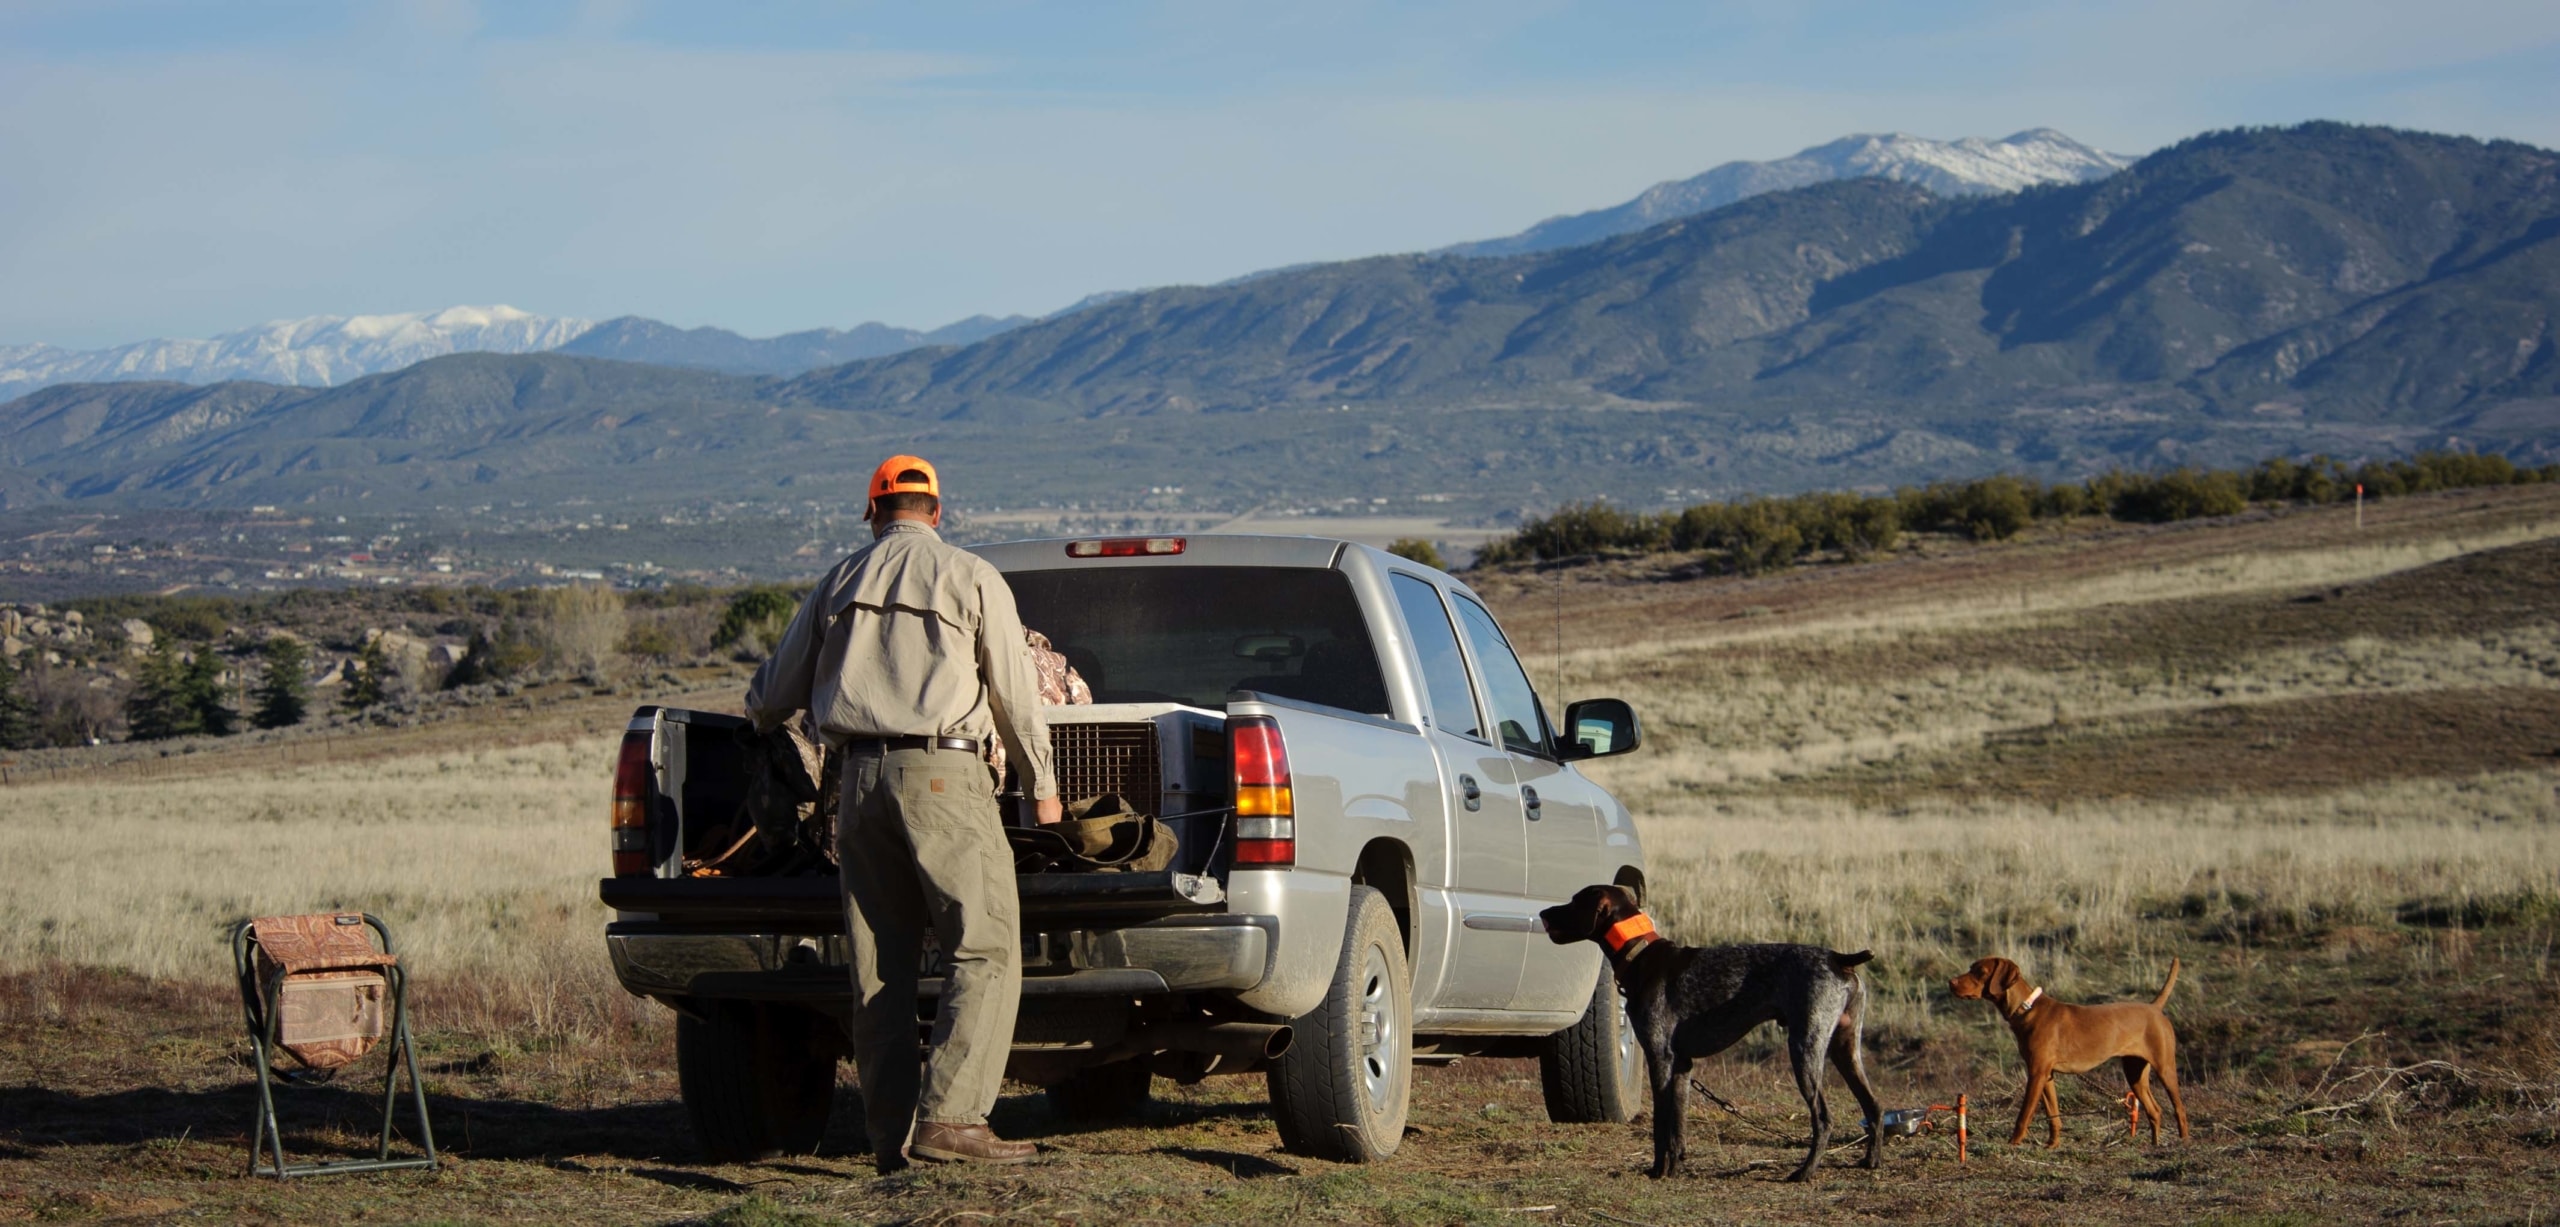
<point>1371,802</point>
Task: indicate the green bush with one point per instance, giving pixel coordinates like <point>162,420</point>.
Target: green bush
<point>494,658</point>
<point>1415,549</point>
<point>764,612</point>
<point>1753,535</point>
<point>2185,494</point>
<point>1995,508</point>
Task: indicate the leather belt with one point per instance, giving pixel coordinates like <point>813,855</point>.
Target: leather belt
<point>882,745</point>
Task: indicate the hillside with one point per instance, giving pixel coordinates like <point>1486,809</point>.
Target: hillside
<point>2279,271</point>
<point>2353,290</point>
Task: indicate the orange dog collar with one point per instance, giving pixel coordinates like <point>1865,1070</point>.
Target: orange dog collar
<point>1633,927</point>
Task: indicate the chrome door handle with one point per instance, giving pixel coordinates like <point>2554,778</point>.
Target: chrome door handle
<point>1474,795</point>
<point>1529,801</point>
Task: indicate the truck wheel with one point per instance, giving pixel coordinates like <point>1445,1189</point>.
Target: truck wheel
<point>1341,1090</point>
<point>1116,1091</point>
<point>1594,1071</point>
<point>755,1081</point>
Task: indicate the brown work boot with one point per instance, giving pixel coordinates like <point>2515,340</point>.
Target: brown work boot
<point>945,1143</point>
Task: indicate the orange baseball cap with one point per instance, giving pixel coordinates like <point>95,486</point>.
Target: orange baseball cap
<point>886,478</point>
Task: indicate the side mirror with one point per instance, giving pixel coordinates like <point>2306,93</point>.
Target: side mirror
<point>1599,728</point>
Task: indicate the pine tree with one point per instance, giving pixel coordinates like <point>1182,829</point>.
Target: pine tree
<point>284,688</point>
<point>18,729</point>
<point>372,682</point>
<point>158,709</point>
<point>203,691</point>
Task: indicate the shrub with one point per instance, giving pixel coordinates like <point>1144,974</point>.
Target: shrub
<point>652,641</point>
<point>70,711</point>
<point>2185,494</point>
<point>497,658</point>
<point>1995,508</point>
<point>1579,529</point>
<point>1416,549</point>
<point>764,612</point>
<point>580,628</point>
<point>1754,535</point>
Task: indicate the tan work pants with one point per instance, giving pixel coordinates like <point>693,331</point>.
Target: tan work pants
<point>918,836</point>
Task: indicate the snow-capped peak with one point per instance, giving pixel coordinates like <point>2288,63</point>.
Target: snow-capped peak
<point>315,350</point>
<point>1972,166</point>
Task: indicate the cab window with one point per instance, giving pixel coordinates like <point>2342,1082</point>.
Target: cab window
<point>1506,684</point>
<point>1444,672</point>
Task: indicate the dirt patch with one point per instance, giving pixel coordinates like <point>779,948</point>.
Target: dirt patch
<point>134,1106</point>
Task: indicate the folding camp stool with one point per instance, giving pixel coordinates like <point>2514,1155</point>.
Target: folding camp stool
<point>313,988</point>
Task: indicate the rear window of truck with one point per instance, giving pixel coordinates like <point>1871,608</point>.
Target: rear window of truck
<point>1153,634</point>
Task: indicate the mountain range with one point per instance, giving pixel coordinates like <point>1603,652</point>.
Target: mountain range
<point>325,350</point>
<point>2353,290</point>
<point>319,350</point>
<point>1968,167</point>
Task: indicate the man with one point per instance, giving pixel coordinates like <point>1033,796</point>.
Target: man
<point>910,655</point>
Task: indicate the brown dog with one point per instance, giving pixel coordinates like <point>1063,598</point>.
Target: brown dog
<point>2073,1039</point>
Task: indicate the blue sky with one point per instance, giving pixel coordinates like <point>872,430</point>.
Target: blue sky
<point>174,169</point>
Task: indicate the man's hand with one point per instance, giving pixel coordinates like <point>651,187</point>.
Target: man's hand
<point>1048,810</point>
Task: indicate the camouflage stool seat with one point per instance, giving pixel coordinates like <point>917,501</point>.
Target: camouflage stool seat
<point>314,988</point>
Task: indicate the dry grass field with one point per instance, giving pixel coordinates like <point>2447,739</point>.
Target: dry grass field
<point>2315,763</point>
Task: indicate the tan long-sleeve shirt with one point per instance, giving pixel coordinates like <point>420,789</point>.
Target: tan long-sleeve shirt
<point>911,637</point>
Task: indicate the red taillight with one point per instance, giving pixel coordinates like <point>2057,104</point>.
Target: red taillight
<point>1266,813</point>
<point>631,772</point>
<point>1125,547</point>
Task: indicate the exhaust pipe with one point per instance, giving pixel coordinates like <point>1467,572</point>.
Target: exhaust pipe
<point>1232,1043</point>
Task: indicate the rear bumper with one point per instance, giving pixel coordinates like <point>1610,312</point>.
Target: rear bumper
<point>656,958</point>
<point>815,905</point>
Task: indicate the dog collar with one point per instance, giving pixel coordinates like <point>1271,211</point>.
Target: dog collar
<point>1633,928</point>
<point>2033,996</point>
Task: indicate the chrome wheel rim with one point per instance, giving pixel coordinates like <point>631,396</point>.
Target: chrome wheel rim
<point>1630,1053</point>
<point>1381,1041</point>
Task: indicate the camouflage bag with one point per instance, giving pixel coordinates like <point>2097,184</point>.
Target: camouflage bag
<point>1060,686</point>
<point>328,985</point>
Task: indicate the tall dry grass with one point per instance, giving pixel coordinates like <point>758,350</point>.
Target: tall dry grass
<point>483,863</point>
<point>1934,885</point>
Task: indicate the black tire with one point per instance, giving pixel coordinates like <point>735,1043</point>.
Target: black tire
<point>1593,1071</point>
<point>1341,1090</point>
<point>1116,1091</point>
<point>756,1081</point>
